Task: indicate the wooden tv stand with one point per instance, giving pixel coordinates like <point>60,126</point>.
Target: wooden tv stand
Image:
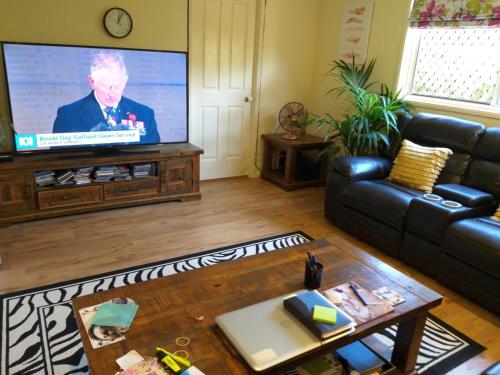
<point>175,176</point>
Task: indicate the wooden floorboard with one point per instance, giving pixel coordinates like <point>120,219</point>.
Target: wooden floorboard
<point>230,211</point>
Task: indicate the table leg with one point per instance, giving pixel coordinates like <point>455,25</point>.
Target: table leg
<point>267,157</point>
<point>404,355</point>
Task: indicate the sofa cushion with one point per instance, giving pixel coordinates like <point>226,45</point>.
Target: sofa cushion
<point>455,169</point>
<point>443,131</point>
<point>418,166</point>
<point>381,200</point>
<point>484,175</point>
<point>484,170</point>
<point>475,242</point>
<point>487,148</point>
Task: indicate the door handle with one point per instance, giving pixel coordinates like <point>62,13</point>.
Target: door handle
<point>248,98</point>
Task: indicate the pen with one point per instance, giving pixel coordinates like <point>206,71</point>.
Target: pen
<point>356,291</point>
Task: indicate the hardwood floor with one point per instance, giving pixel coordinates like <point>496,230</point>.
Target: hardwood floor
<point>231,211</point>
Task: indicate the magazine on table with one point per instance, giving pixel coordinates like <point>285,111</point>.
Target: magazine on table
<point>100,336</point>
<point>389,296</point>
<point>345,296</point>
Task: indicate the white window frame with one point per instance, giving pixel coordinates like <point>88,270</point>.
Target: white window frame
<point>407,71</point>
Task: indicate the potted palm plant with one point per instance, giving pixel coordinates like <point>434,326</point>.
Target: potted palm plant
<point>368,127</point>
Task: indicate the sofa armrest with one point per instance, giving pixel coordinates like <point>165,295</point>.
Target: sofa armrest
<point>346,170</point>
<point>357,168</point>
<point>464,195</point>
<point>429,219</point>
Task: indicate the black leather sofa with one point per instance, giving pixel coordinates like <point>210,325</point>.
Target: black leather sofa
<point>458,246</point>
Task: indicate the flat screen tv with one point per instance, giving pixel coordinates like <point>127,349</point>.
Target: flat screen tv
<point>67,97</point>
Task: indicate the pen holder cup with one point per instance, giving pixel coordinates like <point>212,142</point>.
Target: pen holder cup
<point>313,275</point>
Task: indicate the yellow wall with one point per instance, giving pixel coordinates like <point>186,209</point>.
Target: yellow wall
<point>288,60</point>
<point>386,42</point>
<point>388,29</point>
<point>290,38</point>
<point>157,24</point>
<point>328,40</point>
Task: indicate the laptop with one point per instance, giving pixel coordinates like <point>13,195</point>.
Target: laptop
<point>266,334</point>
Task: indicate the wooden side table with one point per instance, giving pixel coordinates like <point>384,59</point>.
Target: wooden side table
<point>286,174</point>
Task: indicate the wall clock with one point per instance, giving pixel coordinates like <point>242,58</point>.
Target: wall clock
<point>117,22</point>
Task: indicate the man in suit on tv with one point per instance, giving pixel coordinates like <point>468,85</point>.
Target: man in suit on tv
<point>105,108</point>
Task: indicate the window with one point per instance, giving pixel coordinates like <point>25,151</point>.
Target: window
<point>458,64</point>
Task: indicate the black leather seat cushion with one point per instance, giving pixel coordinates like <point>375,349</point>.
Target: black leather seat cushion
<point>455,168</point>
<point>476,242</point>
<point>484,171</point>
<point>484,175</point>
<point>381,200</point>
<point>488,146</point>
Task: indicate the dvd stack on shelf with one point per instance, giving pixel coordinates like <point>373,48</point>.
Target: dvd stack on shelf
<point>45,178</point>
<point>104,173</point>
<point>122,172</point>
<point>82,175</point>
<point>142,170</point>
<point>65,178</point>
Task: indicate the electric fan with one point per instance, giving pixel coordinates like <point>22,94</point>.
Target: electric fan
<point>293,118</point>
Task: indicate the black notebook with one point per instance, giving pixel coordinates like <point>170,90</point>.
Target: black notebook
<point>302,305</point>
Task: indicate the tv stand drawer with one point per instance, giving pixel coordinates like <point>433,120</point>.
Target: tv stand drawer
<point>121,189</point>
<point>69,197</point>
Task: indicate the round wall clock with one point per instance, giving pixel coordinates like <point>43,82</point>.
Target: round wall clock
<point>117,22</point>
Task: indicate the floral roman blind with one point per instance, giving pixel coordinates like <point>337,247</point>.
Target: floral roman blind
<point>455,13</point>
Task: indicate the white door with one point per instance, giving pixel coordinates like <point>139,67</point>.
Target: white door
<point>221,54</point>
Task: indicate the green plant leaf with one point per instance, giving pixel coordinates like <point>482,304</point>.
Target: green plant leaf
<point>367,128</point>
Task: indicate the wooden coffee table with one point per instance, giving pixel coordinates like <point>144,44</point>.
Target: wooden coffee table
<point>168,306</point>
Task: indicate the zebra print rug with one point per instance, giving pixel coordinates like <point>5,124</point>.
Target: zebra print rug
<point>39,334</point>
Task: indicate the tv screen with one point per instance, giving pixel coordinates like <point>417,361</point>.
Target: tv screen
<point>78,97</point>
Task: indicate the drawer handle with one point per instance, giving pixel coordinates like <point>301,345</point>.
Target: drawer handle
<point>127,189</point>
<point>64,198</point>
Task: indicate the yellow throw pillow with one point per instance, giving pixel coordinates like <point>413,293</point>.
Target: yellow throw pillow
<point>496,215</point>
<point>418,167</point>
